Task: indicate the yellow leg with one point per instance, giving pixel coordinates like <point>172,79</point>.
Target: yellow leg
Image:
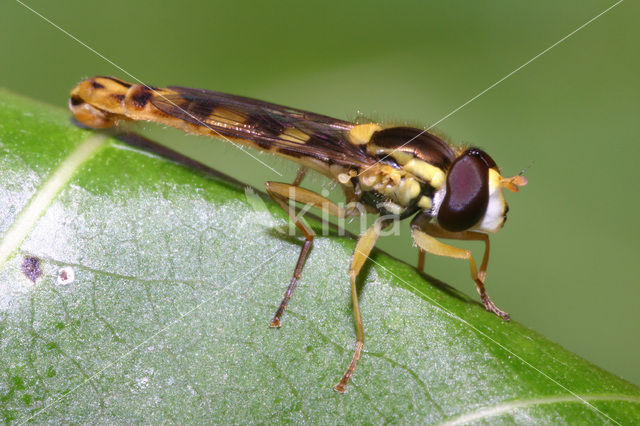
<point>361,254</point>
<point>425,234</point>
<point>282,193</point>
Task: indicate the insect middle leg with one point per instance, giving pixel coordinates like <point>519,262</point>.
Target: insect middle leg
<point>282,193</point>
<point>360,255</point>
<point>425,234</point>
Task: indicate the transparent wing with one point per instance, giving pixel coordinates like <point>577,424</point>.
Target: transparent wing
<point>282,129</point>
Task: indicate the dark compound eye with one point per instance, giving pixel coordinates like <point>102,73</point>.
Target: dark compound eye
<point>467,197</point>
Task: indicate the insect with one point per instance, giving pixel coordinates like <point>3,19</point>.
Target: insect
<point>397,172</point>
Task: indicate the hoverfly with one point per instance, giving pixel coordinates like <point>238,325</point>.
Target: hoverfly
<point>397,172</point>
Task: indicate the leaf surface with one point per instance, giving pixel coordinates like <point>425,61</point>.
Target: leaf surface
<point>155,288</point>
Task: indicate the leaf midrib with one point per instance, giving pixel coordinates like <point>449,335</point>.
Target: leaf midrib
<point>46,193</point>
<point>501,409</point>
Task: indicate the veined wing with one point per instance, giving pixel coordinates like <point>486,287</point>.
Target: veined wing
<point>269,126</point>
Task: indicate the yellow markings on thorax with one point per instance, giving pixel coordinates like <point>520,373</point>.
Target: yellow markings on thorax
<point>408,189</point>
<point>425,203</point>
<point>401,187</point>
<point>392,208</point>
<point>431,174</point>
<point>361,133</point>
<point>427,172</point>
<point>380,176</point>
<point>401,157</point>
<point>344,178</point>
<point>294,135</point>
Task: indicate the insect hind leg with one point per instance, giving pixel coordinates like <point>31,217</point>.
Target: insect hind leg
<point>282,194</point>
<point>302,171</point>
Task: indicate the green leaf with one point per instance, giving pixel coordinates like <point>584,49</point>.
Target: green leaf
<point>170,277</point>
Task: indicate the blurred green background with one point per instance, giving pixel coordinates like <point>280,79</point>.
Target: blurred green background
<point>566,263</point>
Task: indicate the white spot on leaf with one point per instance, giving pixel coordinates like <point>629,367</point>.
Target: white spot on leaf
<point>66,275</point>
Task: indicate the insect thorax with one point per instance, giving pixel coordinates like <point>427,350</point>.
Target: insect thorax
<point>412,168</point>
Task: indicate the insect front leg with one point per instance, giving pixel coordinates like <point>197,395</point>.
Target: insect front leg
<point>282,193</point>
<point>425,233</point>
